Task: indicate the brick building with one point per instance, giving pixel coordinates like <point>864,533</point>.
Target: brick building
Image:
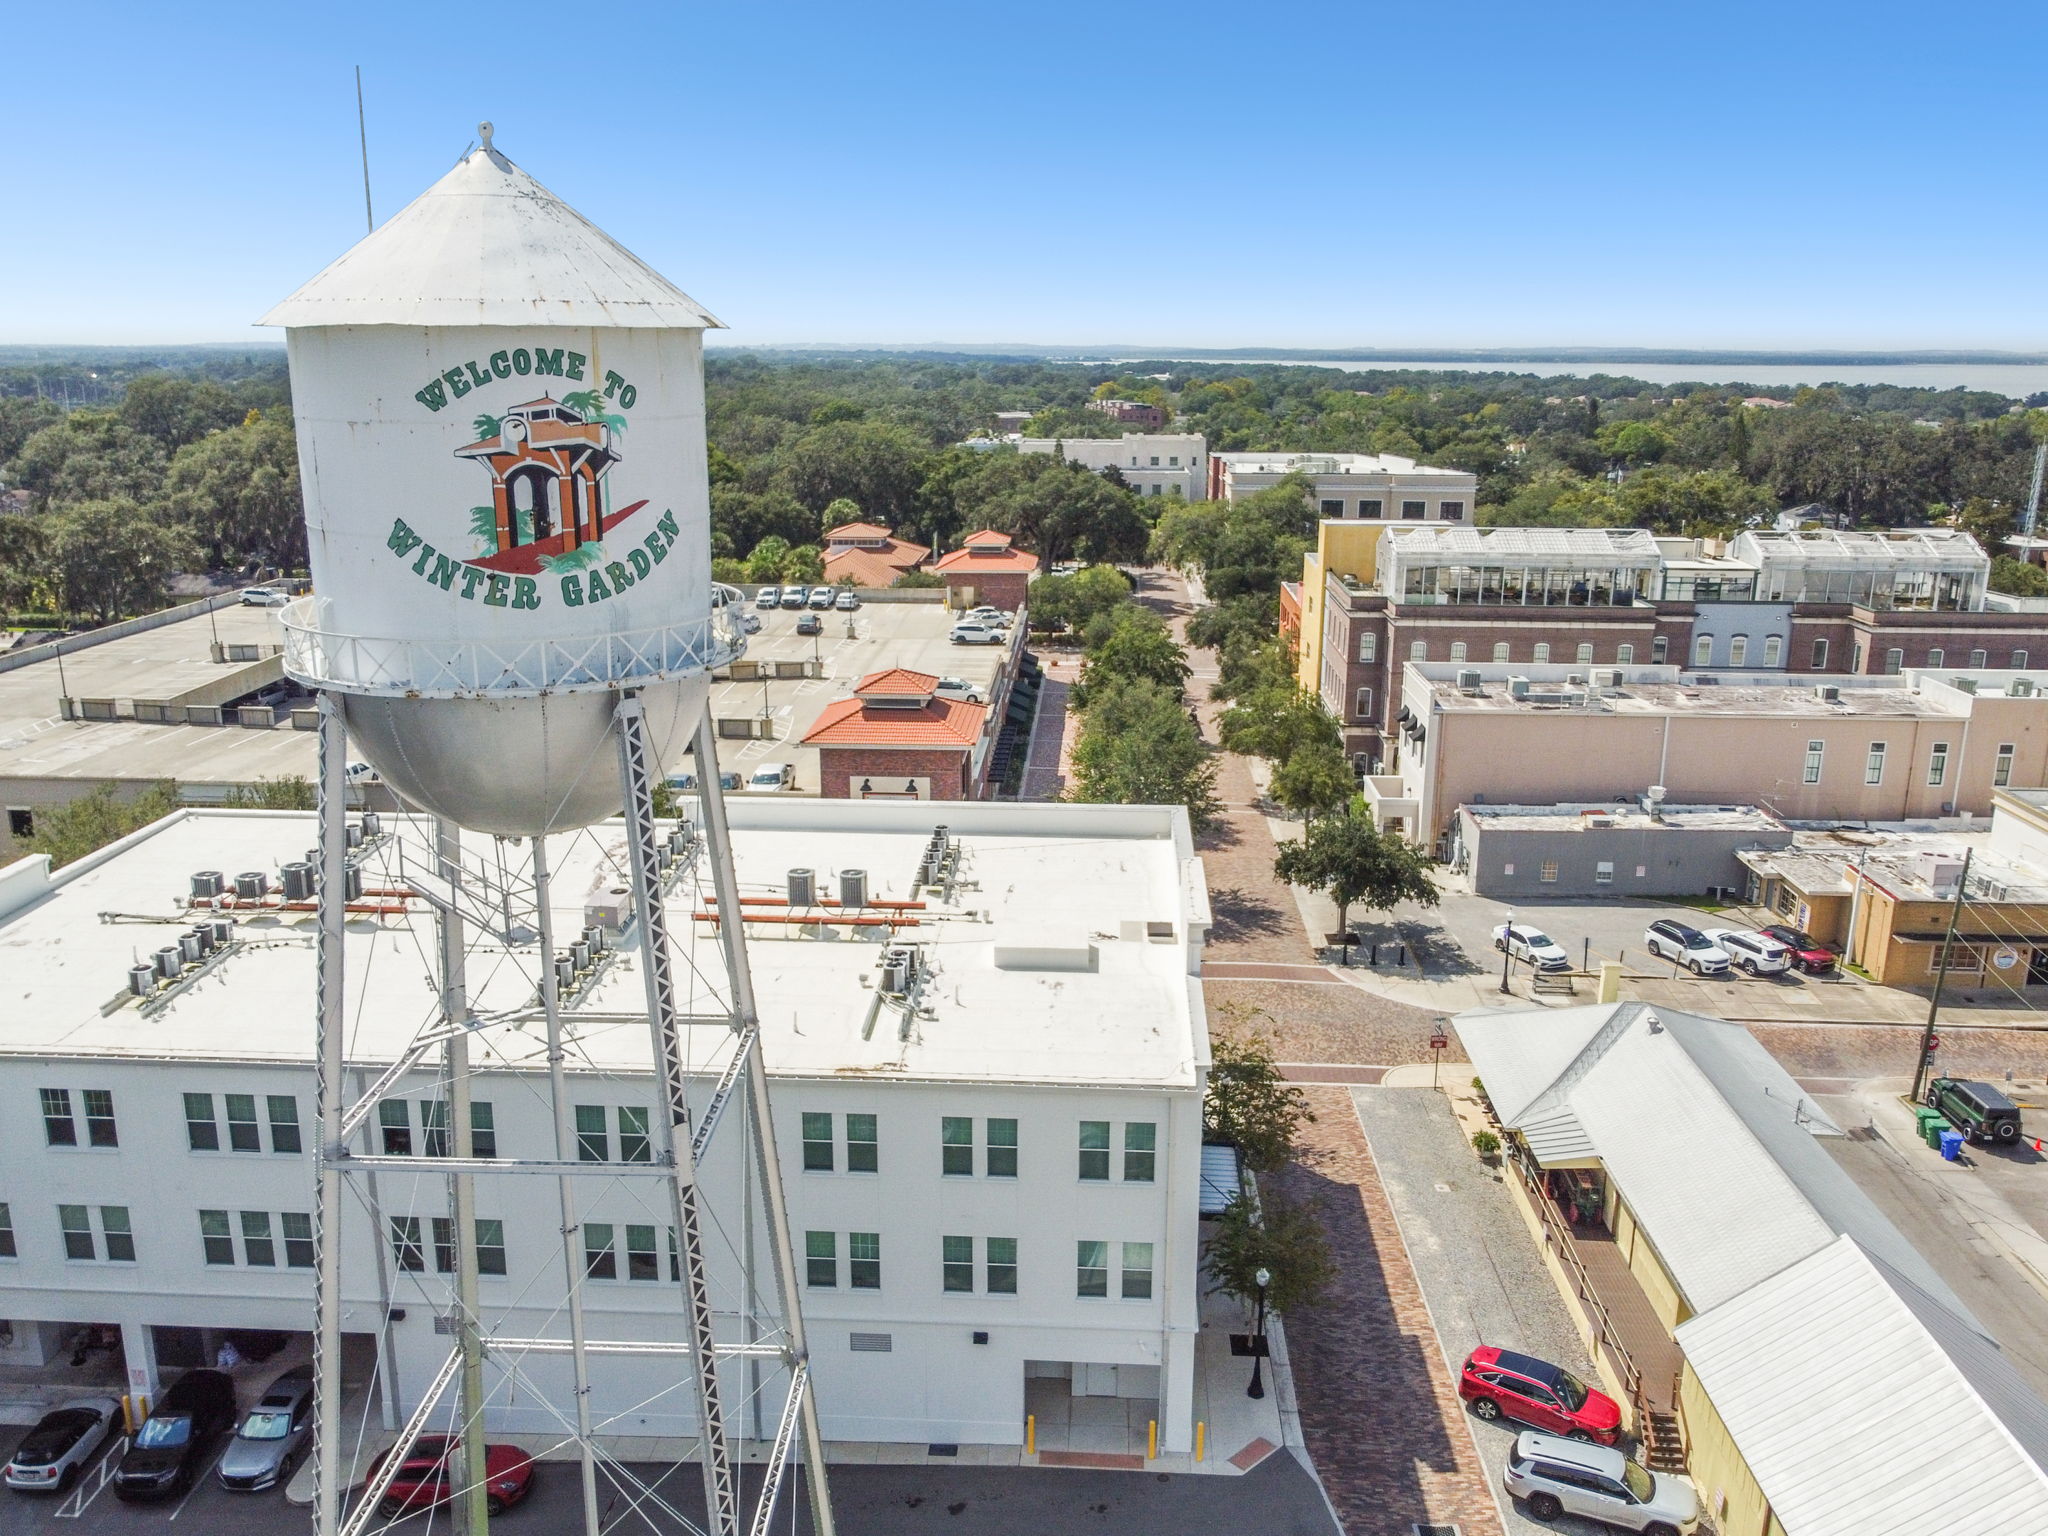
<point>1134,413</point>
<point>896,739</point>
<point>986,569</point>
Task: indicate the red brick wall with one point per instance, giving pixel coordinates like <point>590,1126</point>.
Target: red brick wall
<point>998,589</point>
<point>841,770</point>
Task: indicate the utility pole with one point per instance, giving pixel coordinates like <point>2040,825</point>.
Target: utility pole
<point>1948,944</point>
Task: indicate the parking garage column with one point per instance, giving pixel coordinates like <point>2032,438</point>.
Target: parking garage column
<point>138,1347</point>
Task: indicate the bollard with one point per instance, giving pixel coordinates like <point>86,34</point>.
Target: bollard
<point>1030,1434</point>
<point>1403,960</point>
<point>1201,1437</point>
<point>127,1415</point>
<point>1151,1439</point>
<point>1375,954</point>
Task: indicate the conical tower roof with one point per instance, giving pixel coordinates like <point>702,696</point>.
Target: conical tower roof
<point>489,245</point>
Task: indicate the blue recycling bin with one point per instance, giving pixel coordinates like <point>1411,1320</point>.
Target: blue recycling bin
<point>1951,1144</point>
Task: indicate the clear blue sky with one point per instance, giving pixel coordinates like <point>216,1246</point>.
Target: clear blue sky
<point>1292,174</point>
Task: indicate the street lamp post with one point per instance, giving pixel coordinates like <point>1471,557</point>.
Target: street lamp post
<point>1262,1279</point>
<point>1507,938</point>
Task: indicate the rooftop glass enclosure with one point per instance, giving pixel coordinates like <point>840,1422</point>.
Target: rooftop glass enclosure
<point>1521,567</point>
<point>1930,568</point>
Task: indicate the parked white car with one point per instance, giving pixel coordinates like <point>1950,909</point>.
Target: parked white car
<point>1669,940</point>
<point>265,597</point>
<point>1556,1476</point>
<point>1754,953</point>
<point>995,618</point>
<point>771,778</point>
<point>1532,945</point>
<point>959,688</point>
<point>52,1454</point>
<point>973,632</point>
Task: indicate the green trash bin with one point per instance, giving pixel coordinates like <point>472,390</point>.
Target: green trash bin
<point>1934,1129</point>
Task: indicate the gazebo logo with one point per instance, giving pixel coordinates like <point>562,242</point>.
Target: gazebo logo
<point>548,460</point>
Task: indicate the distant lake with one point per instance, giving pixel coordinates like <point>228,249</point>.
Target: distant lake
<point>2015,379</point>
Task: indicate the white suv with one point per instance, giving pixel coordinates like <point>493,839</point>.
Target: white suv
<point>1534,946</point>
<point>1752,952</point>
<point>976,633</point>
<point>1692,949</point>
<point>1557,1476</point>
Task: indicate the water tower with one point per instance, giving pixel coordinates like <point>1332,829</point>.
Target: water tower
<point>501,437</point>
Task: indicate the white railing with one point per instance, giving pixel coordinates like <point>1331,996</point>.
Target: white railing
<point>451,668</point>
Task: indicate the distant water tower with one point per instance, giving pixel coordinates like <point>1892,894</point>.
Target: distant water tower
<point>501,438</point>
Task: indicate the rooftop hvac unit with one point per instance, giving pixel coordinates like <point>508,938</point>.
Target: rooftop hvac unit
<point>1575,680</point>
<point>351,882</point>
<point>803,888</point>
<point>355,834</point>
<point>207,884</point>
<point>204,934</point>
<point>2020,688</point>
<point>373,824</point>
<point>579,955</point>
<point>1607,677</point>
<point>1827,693</point>
<point>1469,680</point>
<point>251,886</point>
<point>1518,688</point>
<point>223,930</point>
<point>853,889</point>
<point>141,978</point>
<point>565,972</point>
<point>169,963</point>
<point>1967,684</point>
<point>298,881</point>
<point>607,908</point>
<point>189,952</point>
<point>594,937</point>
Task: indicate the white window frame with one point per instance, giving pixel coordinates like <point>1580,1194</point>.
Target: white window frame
<point>1738,650</point>
<point>1541,655</point>
<point>1362,704</point>
<point>1703,650</point>
<point>1820,654</point>
<point>1774,650</point>
<point>1368,646</point>
<point>1816,752</point>
<point>2001,767</point>
<point>1937,765</point>
<point>1873,764</point>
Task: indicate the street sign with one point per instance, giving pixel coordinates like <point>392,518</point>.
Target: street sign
<point>1934,1042</point>
<point>1439,1042</point>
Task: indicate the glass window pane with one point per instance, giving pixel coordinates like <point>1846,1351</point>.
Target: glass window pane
<point>257,1249</point>
<point>406,1250</point>
<point>1137,1271</point>
<point>201,1133</point>
<point>1094,1149</point>
<point>817,1142</point>
<point>1002,1149</point>
<point>77,1232</point>
<point>599,1261</point>
<point>641,1263</point>
<point>1140,1140</point>
<point>214,1238</point>
<point>394,1119</point>
<point>1002,1266</point>
<point>635,1146</point>
<point>863,1153</point>
<point>58,1128</point>
<point>864,1260</point>
<point>444,1245</point>
<point>284,1122</point>
<point>490,1246</point>
<point>434,1127</point>
<point>7,1250</point>
<point>956,1137</point>
<point>593,1143</point>
<point>1091,1269</point>
<point>298,1239</point>
<point>242,1133</point>
<point>821,1259</point>
<point>956,1263</point>
<point>99,1118</point>
<point>483,1129</point>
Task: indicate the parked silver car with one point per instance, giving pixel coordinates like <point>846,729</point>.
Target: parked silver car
<point>272,1436</point>
<point>1557,1476</point>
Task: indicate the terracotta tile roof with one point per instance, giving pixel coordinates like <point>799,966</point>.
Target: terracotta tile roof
<point>987,536</point>
<point>856,531</point>
<point>873,567</point>
<point>970,559</point>
<point>897,681</point>
<point>941,723</point>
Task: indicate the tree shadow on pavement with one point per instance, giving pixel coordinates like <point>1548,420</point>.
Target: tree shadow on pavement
<point>1239,914</point>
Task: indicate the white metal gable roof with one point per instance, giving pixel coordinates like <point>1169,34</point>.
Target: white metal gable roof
<point>1866,1408</point>
<point>489,245</point>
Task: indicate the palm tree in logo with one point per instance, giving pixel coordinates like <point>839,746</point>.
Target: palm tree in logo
<point>487,426</point>
<point>589,404</point>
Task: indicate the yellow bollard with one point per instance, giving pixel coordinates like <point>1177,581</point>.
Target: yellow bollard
<point>1201,1435</point>
<point>127,1415</point>
<point>1030,1434</point>
<point>1151,1439</point>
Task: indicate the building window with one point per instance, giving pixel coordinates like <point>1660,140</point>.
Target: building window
<point>2019,661</point>
<point>1000,1155</point>
<point>284,1123</point>
<point>1368,645</point>
<point>483,1129</point>
<point>1137,1272</point>
<point>956,1263</point>
<point>1703,651</point>
<point>1333,509</point>
<point>1978,658</point>
<point>298,1240</point>
<point>1542,652</point>
<point>1937,765</point>
<point>2001,768</point>
<point>1500,650</point>
<point>1457,650</point>
<point>1371,507</point>
<point>863,1147</point>
<point>434,1127</point>
<point>99,1118</point>
<point>117,1239</point>
<point>407,1251</point>
<point>258,1249</point>
<point>1856,657</point>
<point>21,821</point>
<point>1774,650</point>
<point>821,1260</point>
<point>1814,750</point>
<point>1548,873</point>
<point>394,1119</point>
<point>593,1142</point>
<point>1418,650</point>
<point>1000,1271</point>
<point>1094,1149</point>
<point>7,1248</point>
<point>1155,461</point>
<point>216,1237</point>
<point>1091,1269</point>
<point>956,1146</point>
<point>1451,511</point>
<point>490,1246</point>
<point>202,1134</point>
<point>635,1146</point>
<point>1413,511</point>
<point>864,1261</point>
<point>116,1233</point>
<point>1738,650</point>
<point>1820,655</point>
<point>600,1258</point>
<point>1660,645</point>
<point>817,1143</point>
<point>77,1229</point>
<point>642,1261</point>
<point>1873,765</point>
<point>1624,655</point>
<point>1362,705</point>
<point>1173,461</point>
<point>1936,656</point>
<point>1141,1150</point>
<point>1603,873</point>
<point>1894,661</point>
<point>243,1133</point>
<point>1585,653</point>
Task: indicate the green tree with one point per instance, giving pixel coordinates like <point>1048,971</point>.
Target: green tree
<point>804,563</point>
<point>1246,1103</point>
<point>1279,723</point>
<point>287,792</point>
<point>1315,781</point>
<point>919,578</point>
<point>1283,1238</point>
<point>88,456</point>
<point>741,519</point>
<point>110,559</point>
<point>1138,747</point>
<point>838,515</point>
<point>237,492</point>
<point>875,465</point>
<point>2019,578</point>
<point>1136,645</point>
<point>765,563</point>
<point>176,409</point>
<point>1355,864</point>
<point>24,564</point>
<point>1075,601</point>
<point>78,827</point>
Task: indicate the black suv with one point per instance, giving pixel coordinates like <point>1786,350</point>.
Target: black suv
<point>1978,1110</point>
<point>176,1436</point>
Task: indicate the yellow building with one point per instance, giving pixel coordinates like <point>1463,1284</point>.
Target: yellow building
<point>1344,547</point>
<point>1756,1315</point>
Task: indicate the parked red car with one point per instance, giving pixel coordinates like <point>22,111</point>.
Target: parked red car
<point>1814,959</point>
<point>1500,1384</point>
<point>423,1481</point>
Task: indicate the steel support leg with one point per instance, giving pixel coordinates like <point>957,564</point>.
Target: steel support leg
<point>327,1111</point>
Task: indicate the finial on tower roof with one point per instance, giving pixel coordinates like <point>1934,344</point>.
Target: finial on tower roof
<point>483,132</point>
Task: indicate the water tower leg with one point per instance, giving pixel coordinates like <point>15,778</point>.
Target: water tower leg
<point>327,1099</point>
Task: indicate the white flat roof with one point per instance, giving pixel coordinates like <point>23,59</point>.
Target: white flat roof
<point>1332,464</point>
<point>1417,541</point>
<point>1075,875</point>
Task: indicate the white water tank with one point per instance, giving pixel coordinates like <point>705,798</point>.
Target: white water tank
<point>501,437</point>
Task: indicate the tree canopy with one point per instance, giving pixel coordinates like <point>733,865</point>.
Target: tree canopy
<point>1355,864</point>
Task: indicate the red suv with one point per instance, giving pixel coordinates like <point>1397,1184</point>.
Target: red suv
<point>1501,1384</point>
<point>1812,958</point>
<point>422,1482</point>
